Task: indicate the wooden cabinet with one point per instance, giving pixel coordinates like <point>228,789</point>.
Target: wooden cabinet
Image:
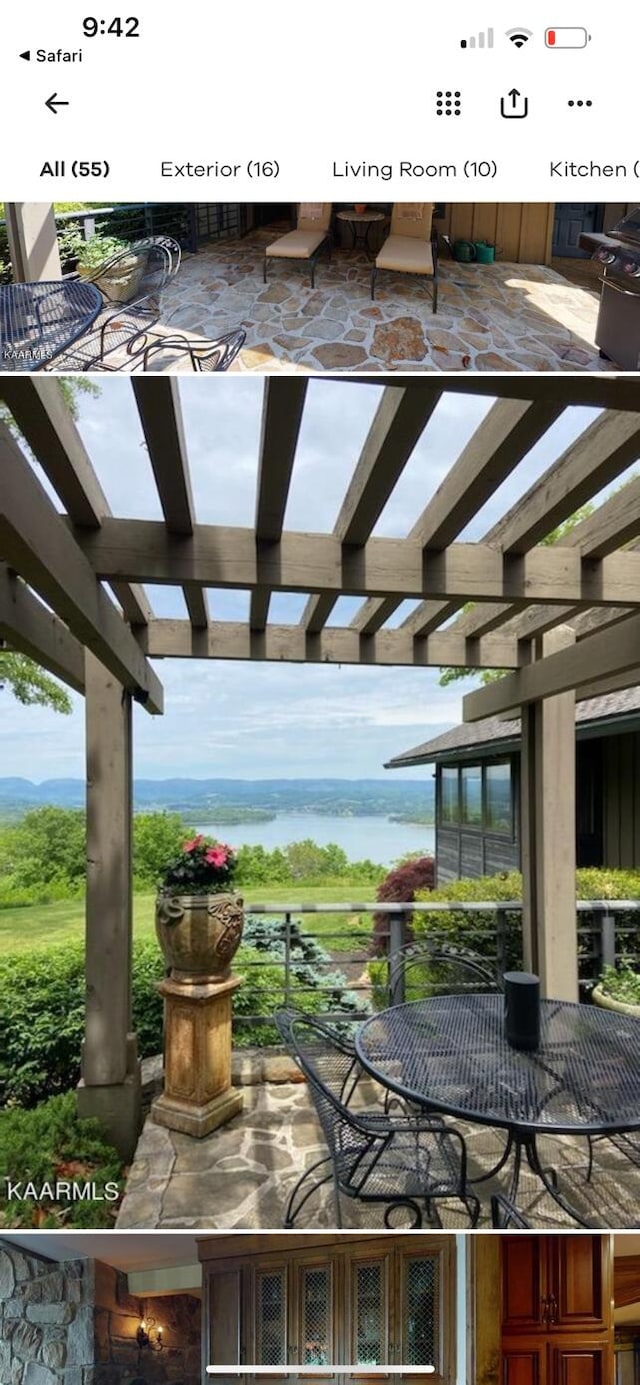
<point>556,1283</point>
<point>360,1303</point>
<point>557,1315</point>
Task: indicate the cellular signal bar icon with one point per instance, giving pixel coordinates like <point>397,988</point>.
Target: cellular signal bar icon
<point>482,40</point>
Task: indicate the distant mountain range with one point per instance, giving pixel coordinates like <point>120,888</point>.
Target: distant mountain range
<point>201,797</point>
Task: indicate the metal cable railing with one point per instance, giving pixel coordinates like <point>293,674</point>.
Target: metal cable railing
<point>287,963</point>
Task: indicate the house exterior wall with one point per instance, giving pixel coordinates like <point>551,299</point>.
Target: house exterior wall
<point>607,807</point>
<point>621,765</point>
<point>522,230</point>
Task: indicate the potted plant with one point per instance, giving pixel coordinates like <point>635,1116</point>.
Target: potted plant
<point>199,917</point>
<point>619,989</point>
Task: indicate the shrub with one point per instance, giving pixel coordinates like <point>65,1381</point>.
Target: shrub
<point>51,1143</point>
<point>399,887</point>
<point>621,983</point>
<point>42,1003</point>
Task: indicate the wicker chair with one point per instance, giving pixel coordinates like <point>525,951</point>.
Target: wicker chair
<point>131,284</point>
<point>406,1162</point>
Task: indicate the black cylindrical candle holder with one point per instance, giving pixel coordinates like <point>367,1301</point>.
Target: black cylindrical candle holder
<point>522,1009</point>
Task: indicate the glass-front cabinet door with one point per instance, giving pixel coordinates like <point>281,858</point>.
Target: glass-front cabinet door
<point>424,1320</point>
<point>313,1338</point>
<point>368,1321</point>
<point>269,1318</point>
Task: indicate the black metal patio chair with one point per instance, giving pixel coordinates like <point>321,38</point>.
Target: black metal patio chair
<point>131,284</point>
<point>505,1215</point>
<point>406,1162</point>
<point>207,356</point>
<point>423,969</point>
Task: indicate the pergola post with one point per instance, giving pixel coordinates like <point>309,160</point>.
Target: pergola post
<point>548,826</point>
<point>110,1085</point>
<point>33,241</point>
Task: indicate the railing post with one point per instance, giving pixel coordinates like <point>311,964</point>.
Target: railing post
<point>88,227</point>
<point>501,941</point>
<point>192,224</point>
<point>397,940</point>
<point>287,959</point>
<point>608,938</point>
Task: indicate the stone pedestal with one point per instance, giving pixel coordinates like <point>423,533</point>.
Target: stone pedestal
<point>198,1096</point>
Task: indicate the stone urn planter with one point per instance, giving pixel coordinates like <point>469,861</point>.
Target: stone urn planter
<point>199,934</point>
<point>608,1002</point>
<point>199,922</point>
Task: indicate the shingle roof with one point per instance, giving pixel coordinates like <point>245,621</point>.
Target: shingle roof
<point>471,735</point>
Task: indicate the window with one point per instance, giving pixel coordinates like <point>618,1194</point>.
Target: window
<point>449,804</point>
<point>498,800</point>
<point>471,795</point>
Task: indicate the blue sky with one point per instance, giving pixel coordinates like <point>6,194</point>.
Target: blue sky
<point>280,720</point>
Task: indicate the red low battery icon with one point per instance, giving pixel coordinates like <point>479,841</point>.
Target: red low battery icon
<point>566,38</point>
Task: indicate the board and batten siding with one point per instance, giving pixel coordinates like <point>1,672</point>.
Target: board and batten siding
<point>621,757</point>
<point>522,231</point>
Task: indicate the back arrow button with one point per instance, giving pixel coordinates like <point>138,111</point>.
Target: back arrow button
<point>53,103</point>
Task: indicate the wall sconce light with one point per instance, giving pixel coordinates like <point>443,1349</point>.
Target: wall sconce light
<point>148,1335</point>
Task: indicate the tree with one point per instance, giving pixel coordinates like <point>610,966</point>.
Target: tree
<point>490,675</point>
<point>47,844</point>
<point>30,685</point>
<point>157,839</point>
<point>20,675</point>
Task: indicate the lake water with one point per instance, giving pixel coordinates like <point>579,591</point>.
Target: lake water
<point>376,838</point>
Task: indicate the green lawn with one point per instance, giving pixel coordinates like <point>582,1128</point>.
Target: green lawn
<point>42,925</point>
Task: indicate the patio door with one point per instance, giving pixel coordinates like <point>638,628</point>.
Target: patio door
<point>570,220</point>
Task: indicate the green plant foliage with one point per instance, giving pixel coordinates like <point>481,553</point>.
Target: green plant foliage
<point>202,866</point>
<point>157,838</point>
<point>48,1144</point>
<point>30,685</point>
<point>47,845</point>
<point>88,254</point>
<point>42,1002</point>
<point>622,983</point>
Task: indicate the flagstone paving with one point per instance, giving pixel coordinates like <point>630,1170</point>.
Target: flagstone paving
<point>490,317</point>
<point>241,1176</point>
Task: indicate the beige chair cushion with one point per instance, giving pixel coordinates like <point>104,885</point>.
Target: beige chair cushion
<point>314,216</point>
<point>412,219</point>
<point>296,245</point>
<point>406,255</point>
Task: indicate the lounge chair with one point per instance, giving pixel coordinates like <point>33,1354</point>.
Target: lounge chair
<point>411,247</point>
<point>311,236</point>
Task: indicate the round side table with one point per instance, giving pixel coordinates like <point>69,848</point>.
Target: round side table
<point>360,224</point>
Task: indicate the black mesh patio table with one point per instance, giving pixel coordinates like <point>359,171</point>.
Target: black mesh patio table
<point>449,1054</point>
<point>39,321</point>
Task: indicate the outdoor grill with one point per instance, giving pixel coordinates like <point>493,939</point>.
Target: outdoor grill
<point>618,251</point>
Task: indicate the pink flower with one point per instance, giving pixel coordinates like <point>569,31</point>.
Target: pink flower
<point>216,856</point>
<point>194,844</point>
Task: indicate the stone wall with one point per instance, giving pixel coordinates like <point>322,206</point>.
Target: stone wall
<point>117,1316</point>
<point>46,1320</point>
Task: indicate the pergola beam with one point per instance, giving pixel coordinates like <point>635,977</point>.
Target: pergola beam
<point>158,404</point>
<point>397,426</point>
<point>610,652</point>
<point>29,628</point>
<point>222,556</point>
<point>44,419</point>
<point>176,639</point>
<point>591,391</point>
<point>597,456</point>
<point>35,540</point>
<point>509,431</point>
<point>282,410</point>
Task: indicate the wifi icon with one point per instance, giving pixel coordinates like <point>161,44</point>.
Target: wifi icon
<point>518,37</point>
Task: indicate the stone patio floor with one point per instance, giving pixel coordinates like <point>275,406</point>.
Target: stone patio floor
<point>490,318</point>
<point>241,1175</point>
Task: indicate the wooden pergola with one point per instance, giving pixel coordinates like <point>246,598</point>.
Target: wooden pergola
<point>564,619</point>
